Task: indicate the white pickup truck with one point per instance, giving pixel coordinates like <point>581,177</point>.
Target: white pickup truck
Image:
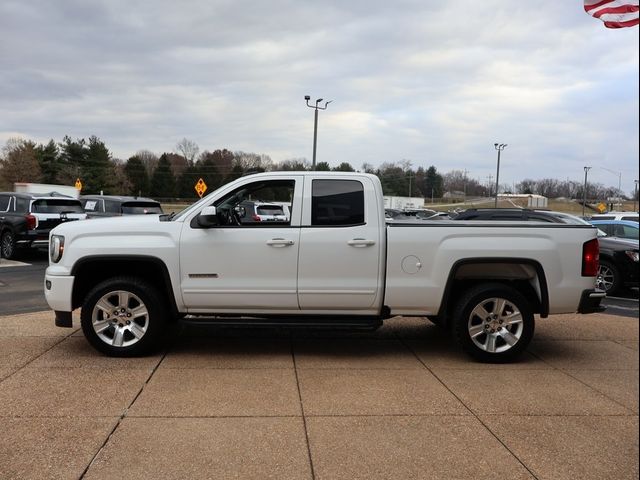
<point>333,260</point>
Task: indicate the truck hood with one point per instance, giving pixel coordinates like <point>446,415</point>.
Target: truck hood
<point>110,225</point>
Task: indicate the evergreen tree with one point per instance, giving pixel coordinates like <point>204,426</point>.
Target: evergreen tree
<point>49,162</point>
<point>97,170</point>
<point>138,177</point>
<point>72,159</point>
<point>433,183</point>
<point>163,183</point>
<point>323,167</point>
<point>344,167</point>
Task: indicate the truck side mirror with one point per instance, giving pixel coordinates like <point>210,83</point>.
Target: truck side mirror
<point>208,217</point>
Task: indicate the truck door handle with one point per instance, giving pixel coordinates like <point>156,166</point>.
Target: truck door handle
<point>280,242</point>
<point>361,242</point>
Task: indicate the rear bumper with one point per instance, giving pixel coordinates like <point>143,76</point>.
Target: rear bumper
<point>590,301</point>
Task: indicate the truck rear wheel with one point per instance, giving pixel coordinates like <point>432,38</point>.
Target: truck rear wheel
<point>493,322</point>
<point>124,317</point>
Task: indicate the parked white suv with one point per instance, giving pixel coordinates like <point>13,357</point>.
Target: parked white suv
<point>250,212</point>
<point>632,216</point>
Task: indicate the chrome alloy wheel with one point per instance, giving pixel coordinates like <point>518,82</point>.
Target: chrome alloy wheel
<point>495,325</point>
<point>606,278</point>
<point>120,318</point>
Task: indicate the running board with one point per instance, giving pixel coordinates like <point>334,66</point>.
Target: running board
<point>350,323</point>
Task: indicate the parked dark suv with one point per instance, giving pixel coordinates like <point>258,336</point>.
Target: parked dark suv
<point>116,205</point>
<point>27,218</point>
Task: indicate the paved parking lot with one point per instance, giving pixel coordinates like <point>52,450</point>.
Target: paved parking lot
<point>397,403</point>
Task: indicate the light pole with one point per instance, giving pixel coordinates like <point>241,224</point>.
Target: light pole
<point>619,174</point>
<point>635,194</point>
<point>499,147</point>
<point>584,191</point>
<point>316,107</point>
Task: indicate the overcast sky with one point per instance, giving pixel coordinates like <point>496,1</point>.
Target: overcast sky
<point>435,83</point>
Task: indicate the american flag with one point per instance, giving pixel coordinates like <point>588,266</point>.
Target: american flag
<point>614,13</point>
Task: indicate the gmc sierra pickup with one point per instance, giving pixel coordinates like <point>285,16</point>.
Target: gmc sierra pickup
<point>333,259</point>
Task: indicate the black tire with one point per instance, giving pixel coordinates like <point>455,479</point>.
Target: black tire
<point>507,326</point>
<point>7,245</point>
<point>608,277</point>
<point>135,323</point>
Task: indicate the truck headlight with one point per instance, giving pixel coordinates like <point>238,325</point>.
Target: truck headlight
<point>56,248</point>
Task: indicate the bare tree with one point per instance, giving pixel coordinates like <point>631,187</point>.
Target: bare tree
<point>188,149</point>
<point>148,159</point>
<point>19,162</point>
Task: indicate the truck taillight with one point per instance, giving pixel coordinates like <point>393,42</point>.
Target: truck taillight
<point>256,218</point>
<point>32,222</point>
<point>590,258</point>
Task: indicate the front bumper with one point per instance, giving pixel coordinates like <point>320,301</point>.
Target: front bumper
<point>58,291</point>
<point>590,301</point>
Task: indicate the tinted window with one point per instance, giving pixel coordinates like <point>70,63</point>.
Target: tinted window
<point>111,206</point>
<point>140,208</point>
<point>57,205</point>
<point>22,205</point>
<point>633,219</point>
<point>4,203</point>
<point>602,217</point>
<point>337,202</point>
<point>629,232</point>
<point>92,205</point>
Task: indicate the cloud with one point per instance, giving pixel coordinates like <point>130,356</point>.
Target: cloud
<point>435,83</point>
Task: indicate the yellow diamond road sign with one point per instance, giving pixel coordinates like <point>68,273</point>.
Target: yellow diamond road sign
<point>200,187</point>
<point>78,184</point>
<point>602,207</point>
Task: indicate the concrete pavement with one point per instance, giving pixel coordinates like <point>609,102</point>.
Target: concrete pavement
<point>398,403</point>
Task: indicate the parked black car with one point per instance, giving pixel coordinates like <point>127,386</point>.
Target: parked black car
<point>26,218</point>
<point>115,205</point>
<point>619,265</point>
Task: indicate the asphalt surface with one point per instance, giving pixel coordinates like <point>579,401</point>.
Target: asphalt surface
<point>398,403</point>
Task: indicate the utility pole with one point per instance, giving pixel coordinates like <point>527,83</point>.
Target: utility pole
<point>315,124</point>
<point>635,195</point>
<point>464,188</point>
<point>499,147</point>
<point>410,177</point>
<point>584,192</point>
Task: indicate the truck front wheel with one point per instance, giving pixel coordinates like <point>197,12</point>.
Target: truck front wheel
<point>124,317</point>
<point>493,322</point>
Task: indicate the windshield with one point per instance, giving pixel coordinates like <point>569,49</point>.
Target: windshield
<point>57,205</point>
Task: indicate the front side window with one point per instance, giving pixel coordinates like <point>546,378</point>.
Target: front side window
<point>258,204</point>
<point>337,203</point>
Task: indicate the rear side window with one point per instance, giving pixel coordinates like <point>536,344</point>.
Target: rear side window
<point>337,202</point>
<point>4,203</point>
<point>602,217</point>
<point>633,219</point>
<point>91,205</point>
<point>21,205</point>
<point>140,208</point>
<point>57,205</point>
